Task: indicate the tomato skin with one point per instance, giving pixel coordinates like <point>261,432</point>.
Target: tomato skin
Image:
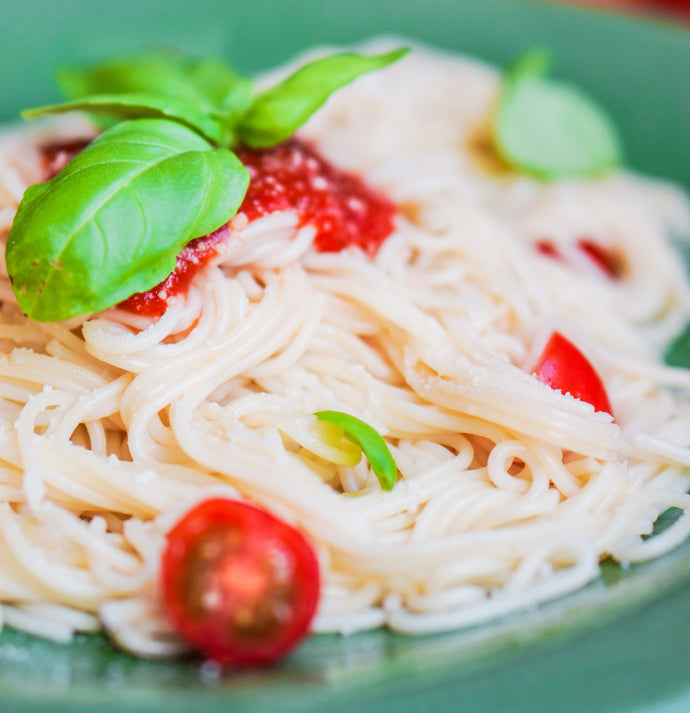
<point>240,585</point>
<point>564,367</point>
<point>607,260</point>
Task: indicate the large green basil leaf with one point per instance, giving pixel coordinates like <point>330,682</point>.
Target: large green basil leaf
<point>113,220</point>
<point>550,129</point>
<point>275,114</point>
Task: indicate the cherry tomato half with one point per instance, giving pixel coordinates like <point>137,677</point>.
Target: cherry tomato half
<point>564,367</point>
<point>239,584</point>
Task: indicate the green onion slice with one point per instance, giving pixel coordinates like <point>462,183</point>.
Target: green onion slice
<point>371,443</point>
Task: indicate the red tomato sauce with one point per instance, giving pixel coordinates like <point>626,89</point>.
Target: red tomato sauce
<point>56,156</point>
<point>345,211</point>
<point>292,176</point>
<point>195,255</point>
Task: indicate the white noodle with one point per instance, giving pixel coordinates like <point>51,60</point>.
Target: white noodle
<point>509,493</point>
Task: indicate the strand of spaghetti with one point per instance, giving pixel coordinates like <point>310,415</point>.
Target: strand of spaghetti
<point>267,328</point>
<point>583,570</point>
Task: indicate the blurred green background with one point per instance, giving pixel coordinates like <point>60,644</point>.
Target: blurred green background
<point>593,47</point>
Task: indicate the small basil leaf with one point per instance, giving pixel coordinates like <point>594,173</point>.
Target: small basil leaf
<point>113,220</point>
<point>275,114</point>
<point>368,439</point>
<point>550,129</point>
<point>205,82</point>
<point>141,105</point>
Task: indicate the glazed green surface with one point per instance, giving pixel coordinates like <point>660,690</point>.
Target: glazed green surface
<point>620,646</point>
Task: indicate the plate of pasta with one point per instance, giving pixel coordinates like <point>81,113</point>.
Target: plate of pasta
<point>345,359</point>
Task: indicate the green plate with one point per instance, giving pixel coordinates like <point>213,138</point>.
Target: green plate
<point>622,644</point>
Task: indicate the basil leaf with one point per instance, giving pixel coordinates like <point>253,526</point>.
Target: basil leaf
<point>550,129</point>
<point>278,112</point>
<point>368,439</point>
<point>113,220</point>
<point>142,105</point>
<point>205,83</point>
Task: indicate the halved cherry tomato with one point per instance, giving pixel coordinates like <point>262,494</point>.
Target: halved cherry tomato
<point>239,584</point>
<point>564,367</point>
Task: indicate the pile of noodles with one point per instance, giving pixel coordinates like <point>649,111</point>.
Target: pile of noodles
<point>509,492</point>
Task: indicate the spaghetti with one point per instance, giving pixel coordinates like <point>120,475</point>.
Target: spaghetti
<point>509,492</point>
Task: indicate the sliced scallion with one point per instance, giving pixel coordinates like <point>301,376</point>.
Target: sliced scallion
<point>369,440</point>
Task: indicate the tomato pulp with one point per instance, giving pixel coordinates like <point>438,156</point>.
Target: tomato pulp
<point>239,584</point>
<point>345,211</point>
<point>193,256</point>
<point>292,176</point>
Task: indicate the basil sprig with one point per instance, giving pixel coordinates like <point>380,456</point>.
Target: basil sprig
<point>550,129</point>
<point>112,222</point>
<point>369,440</point>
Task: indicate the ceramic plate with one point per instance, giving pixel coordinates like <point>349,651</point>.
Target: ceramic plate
<point>622,644</point>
